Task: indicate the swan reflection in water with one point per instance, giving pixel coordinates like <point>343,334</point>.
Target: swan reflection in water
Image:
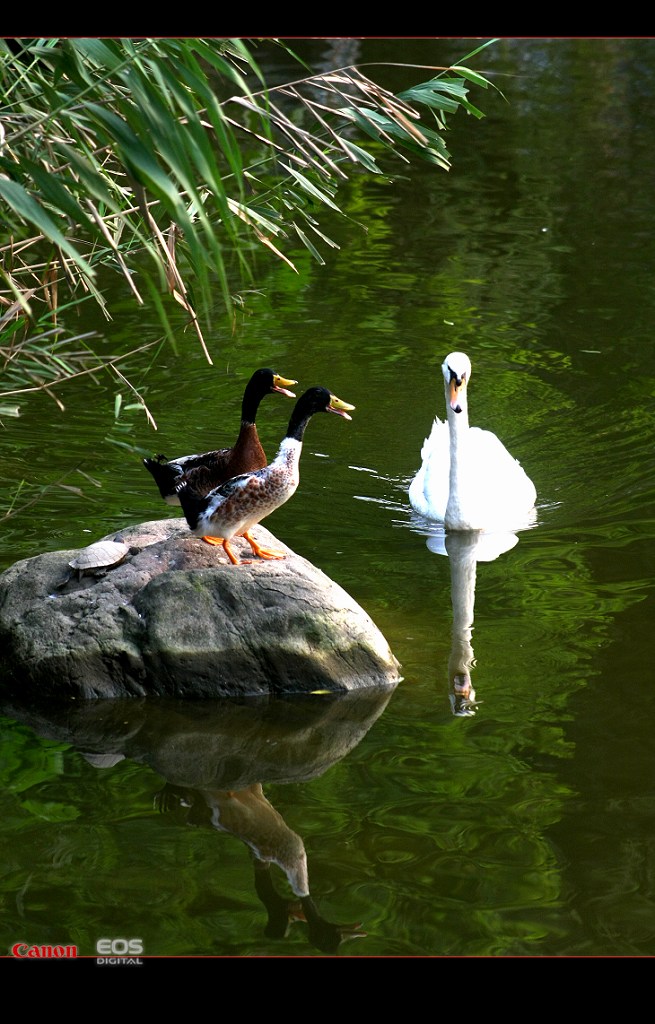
<point>464,550</point>
<point>468,481</point>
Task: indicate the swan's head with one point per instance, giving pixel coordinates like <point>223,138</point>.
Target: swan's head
<point>456,370</point>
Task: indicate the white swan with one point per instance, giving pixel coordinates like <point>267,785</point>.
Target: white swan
<point>468,480</point>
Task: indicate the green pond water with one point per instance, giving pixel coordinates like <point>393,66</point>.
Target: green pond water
<point>525,827</point>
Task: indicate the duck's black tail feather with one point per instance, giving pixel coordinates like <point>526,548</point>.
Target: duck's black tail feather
<point>193,504</point>
<point>166,475</point>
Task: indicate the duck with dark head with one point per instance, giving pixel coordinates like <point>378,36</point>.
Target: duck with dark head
<point>232,509</point>
<point>206,471</point>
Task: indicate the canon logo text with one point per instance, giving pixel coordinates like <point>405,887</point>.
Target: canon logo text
<point>21,950</point>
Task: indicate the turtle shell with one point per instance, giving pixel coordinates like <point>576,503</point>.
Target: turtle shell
<point>101,555</point>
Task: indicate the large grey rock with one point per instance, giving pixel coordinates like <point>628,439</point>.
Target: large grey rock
<point>177,619</point>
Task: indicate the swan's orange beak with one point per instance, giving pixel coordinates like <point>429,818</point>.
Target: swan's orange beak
<point>455,389</point>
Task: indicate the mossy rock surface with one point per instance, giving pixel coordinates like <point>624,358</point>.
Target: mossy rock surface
<point>177,619</point>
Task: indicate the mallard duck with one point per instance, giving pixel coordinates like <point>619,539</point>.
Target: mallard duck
<point>468,480</point>
<point>206,471</point>
<point>232,509</point>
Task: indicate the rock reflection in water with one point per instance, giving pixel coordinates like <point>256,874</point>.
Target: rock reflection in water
<point>215,758</point>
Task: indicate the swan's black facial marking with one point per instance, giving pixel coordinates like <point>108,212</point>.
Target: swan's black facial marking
<point>457,382</point>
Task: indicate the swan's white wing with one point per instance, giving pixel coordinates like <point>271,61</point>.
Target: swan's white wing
<point>499,476</point>
<point>496,492</point>
<point>428,491</point>
<point>496,488</point>
<point>490,490</point>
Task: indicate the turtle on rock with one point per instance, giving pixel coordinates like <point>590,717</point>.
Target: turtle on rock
<point>97,559</point>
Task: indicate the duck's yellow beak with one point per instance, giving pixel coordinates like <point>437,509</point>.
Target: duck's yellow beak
<point>339,407</point>
<point>281,384</point>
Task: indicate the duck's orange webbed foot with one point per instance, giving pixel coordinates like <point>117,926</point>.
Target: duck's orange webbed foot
<point>263,552</point>
<point>230,554</point>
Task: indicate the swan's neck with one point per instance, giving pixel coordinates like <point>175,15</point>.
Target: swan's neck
<point>458,428</point>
